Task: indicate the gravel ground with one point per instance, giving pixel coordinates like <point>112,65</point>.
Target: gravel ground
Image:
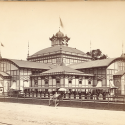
<point>28,114</point>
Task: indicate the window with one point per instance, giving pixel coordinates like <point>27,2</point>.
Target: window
<point>53,60</point>
<point>46,82</point>
<point>58,83</point>
<point>45,61</point>
<point>25,72</point>
<point>14,73</point>
<point>36,82</point>
<point>80,82</point>
<point>3,67</point>
<point>89,82</point>
<point>70,83</point>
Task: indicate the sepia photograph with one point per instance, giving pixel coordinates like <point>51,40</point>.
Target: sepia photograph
<point>62,62</point>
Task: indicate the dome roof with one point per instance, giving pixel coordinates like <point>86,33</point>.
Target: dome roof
<point>59,34</point>
<point>57,48</point>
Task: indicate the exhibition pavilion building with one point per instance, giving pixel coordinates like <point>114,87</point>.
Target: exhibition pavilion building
<point>61,66</point>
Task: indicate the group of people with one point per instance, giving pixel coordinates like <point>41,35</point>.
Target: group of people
<point>56,98</point>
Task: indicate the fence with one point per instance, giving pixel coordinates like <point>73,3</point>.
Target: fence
<point>67,96</point>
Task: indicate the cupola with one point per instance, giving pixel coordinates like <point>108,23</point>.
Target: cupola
<point>59,39</point>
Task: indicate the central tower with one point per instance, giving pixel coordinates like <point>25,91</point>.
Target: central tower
<point>59,39</point>
<point>59,53</point>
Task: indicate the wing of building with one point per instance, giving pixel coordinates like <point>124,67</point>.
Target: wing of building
<point>62,66</point>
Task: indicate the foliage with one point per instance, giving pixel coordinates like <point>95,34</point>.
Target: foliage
<point>97,54</point>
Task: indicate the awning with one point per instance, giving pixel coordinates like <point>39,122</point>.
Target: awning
<point>5,75</point>
<point>42,88</point>
<point>119,73</point>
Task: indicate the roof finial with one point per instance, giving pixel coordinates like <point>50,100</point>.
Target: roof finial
<point>122,48</point>
<point>28,50</point>
<point>90,46</point>
<point>123,55</point>
<point>90,49</point>
<point>0,49</point>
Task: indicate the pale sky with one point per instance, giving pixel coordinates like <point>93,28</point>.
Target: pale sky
<point>102,23</point>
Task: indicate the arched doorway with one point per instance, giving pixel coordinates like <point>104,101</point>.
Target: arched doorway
<point>99,83</point>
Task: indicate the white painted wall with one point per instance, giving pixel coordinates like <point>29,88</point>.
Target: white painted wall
<point>21,84</point>
<point>13,86</point>
<point>73,83</point>
<point>54,81</point>
<point>50,81</point>
<point>5,85</point>
<point>26,84</point>
<point>111,66</point>
<point>77,83</point>
<point>62,82</point>
<point>66,82</point>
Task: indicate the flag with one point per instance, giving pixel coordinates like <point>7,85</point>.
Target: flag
<point>61,24</point>
<point>2,45</point>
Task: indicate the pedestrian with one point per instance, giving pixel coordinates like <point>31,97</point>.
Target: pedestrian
<point>55,98</point>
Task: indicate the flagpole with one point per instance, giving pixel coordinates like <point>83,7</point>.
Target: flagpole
<point>90,49</point>
<point>122,48</point>
<point>59,22</point>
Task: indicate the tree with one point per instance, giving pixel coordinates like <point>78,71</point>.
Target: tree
<point>97,54</point>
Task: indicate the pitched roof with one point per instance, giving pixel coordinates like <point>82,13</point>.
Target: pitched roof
<point>29,64</point>
<point>64,69</point>
<point>57,48</point>
<point>92,64</point>
<point>120,73</point>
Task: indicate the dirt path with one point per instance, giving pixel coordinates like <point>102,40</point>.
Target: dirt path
<point>27,114</point>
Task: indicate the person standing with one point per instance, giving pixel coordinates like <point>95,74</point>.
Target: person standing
<point>55,99</point>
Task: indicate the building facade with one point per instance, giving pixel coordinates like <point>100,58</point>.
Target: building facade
<point>106,72</point>
<point>62,66</point>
